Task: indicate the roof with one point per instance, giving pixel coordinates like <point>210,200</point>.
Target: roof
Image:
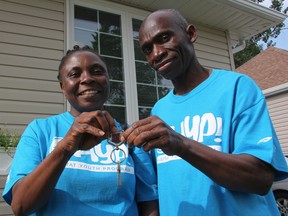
<point>269,68</point>
<point>241,18</point>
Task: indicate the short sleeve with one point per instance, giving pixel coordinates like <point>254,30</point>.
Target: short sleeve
<point>253,130</point>
<point>26,158</point>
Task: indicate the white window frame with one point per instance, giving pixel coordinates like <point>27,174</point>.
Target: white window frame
<point>127,14</point>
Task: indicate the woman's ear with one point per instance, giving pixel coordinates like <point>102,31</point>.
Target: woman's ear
<point>62,88</point>
<point>192,32</point>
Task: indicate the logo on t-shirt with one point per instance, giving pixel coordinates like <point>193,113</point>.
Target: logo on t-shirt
<point>264,140</point>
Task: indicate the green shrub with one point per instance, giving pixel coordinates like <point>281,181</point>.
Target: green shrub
<point>8,139</point>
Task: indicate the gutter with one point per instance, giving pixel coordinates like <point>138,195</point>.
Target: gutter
<point>257,9</point>
<point>276,90</point>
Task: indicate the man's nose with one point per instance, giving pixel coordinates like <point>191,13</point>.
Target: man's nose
<point>158,53</point>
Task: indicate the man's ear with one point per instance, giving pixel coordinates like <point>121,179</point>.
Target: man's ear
<point>192,32</point>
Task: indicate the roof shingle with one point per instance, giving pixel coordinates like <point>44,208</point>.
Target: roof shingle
<point>269,68</point>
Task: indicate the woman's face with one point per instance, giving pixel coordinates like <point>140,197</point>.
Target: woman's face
<point>84,81</point>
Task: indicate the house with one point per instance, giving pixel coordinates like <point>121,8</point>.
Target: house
<point>269,69</point>
<point>34,35</point>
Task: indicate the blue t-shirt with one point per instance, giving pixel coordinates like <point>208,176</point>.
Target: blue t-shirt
<point>88,184</point>
<point>228,113</point>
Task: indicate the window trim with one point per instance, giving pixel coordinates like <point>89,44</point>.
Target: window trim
<point>127,14</point>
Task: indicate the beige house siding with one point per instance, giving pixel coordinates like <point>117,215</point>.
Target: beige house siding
<point>32,40</point>
<point>4,208</point>
<point>278,109</point>
<point>212,48</point>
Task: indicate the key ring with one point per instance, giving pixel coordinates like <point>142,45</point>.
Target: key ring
<point>120,160</point>
<point>113,140</point>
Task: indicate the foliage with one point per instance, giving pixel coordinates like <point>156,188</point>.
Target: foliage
<point>8,139</point>
<point>267,36</point>
<point>251,50</point>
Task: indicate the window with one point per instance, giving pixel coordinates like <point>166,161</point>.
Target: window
<point>150,86</point>
<point>103,31</point>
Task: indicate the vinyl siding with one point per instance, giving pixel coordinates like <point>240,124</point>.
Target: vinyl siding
<point>4,208</point>
<point>31,44</point>
<point>278,109</point>
<point>32,41</point>
<point>212,48</point>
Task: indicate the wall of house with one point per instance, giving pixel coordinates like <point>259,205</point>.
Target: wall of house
<point>278,109</point>
<point>4,208</point>
<point>212,48</point>
<point>31,43</point>
<point>32,40</point>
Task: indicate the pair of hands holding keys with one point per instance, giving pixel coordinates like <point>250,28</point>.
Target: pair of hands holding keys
<point>90,128</point>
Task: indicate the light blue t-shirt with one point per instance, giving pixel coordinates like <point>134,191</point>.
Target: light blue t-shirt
<point>228,113</point>
<point>88,184</point>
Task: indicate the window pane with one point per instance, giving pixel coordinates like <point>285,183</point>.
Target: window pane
<point>109,23</point>
<point>144,73</point>
<point>117,93</point>
<point>117,113</point>
<point>110,45</point>
<point>162,91</point>
<point>147,95</point>
<point>138,52</point>
<point>144,112</point>
<point>115,68</point>
<point>87,38</point>
<point>164,82</point>
<point>86,18</point>
<point>136,26</point>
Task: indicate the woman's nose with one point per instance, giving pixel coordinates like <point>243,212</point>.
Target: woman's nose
<point>86,77</point>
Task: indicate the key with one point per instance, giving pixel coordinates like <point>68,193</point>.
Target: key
<point>119,180</point>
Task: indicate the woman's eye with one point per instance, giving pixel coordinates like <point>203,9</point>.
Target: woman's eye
<point>73,74</point>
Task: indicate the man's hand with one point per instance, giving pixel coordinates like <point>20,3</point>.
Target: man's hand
<point>152,132</point>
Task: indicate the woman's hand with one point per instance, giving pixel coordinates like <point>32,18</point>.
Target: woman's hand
<point>88,130</point>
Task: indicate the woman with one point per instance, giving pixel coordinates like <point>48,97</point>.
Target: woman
<point>64,165</point>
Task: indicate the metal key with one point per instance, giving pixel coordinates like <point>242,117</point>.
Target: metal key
<point>119,179</point>
<point>114,141</point>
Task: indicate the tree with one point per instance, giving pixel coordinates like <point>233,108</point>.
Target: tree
<point>252,46</point>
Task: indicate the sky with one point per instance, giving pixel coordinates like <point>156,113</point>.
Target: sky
<point>282,39</point>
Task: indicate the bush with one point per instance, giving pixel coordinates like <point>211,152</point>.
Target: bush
<point>8,139</point>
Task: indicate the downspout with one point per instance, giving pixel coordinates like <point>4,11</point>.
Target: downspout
<point>232,50</point>
<point>240,47</point>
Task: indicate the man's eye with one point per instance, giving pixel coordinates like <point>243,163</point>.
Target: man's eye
<point>165,37</point>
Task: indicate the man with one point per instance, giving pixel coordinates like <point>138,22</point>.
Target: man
<point>211,137</point>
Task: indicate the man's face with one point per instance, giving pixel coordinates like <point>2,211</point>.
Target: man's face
<point>84,82</point>
<point>166,45</point>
